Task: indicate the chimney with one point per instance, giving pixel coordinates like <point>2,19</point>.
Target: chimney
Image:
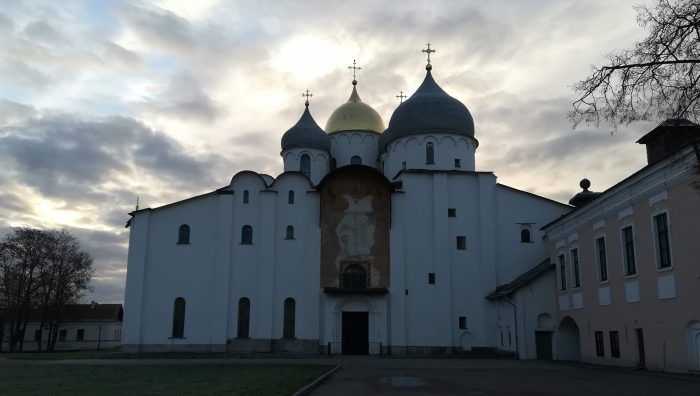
<point>668,137</point>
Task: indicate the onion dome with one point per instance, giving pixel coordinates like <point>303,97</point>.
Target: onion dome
<point>355,115</point>
<point>429,110</point>
<point>306,133</point>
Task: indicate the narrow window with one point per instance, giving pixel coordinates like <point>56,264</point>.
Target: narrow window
<point>429,153</point>
<point>62,335</point>
<point>562,272</point>
<point>462,322</point>
<point>179,318</point>
<point>289,320</point>
<point>290,197</point>
<point>246,196</point>
<point>461,243</point>
<point>628,250</point>
<point>663,250</point>
<point>290,233</point>
<point>576,271</point>
<point>80,334</point>
<point>247,235</point>
<point>614,344</point>
<point>599,347</point>
<point>305,165</point>
<point>501,337</point>
<point>403,164</point>
<point>183,234</point>
<point>243,317</point>
<point>525,235</point>
<point>354,277</point>
<point>333,164</point>
<point>37,335</point>
<point>602,259</point>
<point>458,163</point>
<point>510,339</point>
<point>431,278</point>
<point>356,160</point>
<point>451,212</point>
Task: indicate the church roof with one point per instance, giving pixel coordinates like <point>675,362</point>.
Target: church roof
<point>429,110</point>
<point>355,115</point>
<point>520,281</point>
<point>306,133</point>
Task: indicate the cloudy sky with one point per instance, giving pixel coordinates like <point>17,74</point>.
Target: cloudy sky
<point>101,101</point>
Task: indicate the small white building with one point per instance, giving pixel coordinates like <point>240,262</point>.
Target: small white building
<point>84,327</point>
<point>373,240</point>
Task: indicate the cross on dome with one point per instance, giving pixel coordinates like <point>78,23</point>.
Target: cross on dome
<point>354,68</point>
<point>401,96</point>
<point>428,51</point>
<point>307,95</point>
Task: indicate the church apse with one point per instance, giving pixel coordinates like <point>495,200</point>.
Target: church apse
<point>355,216</point>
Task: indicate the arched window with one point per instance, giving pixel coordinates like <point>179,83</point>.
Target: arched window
<point>333,164</point>
<point>246,196</point>
<point>525,235</point>
<point>354,277</point>
<point>179,318</point>
<point>247,235</point>
<point>290,233</point>
<point>356,160</point>
<point>183,234</point>
<point>290,197</point>
<point>243,317</point>
<point>289,318</point>
<point>305,165</point>
<point>429,153</point>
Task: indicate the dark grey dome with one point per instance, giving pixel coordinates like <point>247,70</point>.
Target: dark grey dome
<point>429,110</point>
<point>306,133</point>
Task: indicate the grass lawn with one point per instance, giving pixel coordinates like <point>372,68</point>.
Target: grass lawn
<point>173,379</point>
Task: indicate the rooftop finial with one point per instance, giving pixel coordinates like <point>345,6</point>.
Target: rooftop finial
<point>137,203</point>
<point>307,95</point>
<point>354,68</point>
<point>401,96</point>
<point>428,51</point>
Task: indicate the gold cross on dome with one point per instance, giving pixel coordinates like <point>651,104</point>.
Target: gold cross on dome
<point>307,95</point>
<point>354,68</point>
<point>428,51</point>
<point>401,96</point>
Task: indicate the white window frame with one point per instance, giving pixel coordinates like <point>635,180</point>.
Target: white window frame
<point>655,237</point>
<point>563,288</point>
<point>597,259</point>
<point>576,267</point>
<point>623,251</point>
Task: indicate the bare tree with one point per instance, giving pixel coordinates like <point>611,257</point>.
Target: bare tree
<point>656,79</point>
<point>40,271</point>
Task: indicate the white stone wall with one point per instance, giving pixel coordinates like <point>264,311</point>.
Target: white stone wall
<point>318,162</point>
<point>447,148</point>
<point>346,144</point>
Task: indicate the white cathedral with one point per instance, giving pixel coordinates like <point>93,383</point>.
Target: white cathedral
<point>373,240</point>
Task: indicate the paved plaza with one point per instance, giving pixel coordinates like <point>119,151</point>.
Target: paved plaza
<point>363,376</point>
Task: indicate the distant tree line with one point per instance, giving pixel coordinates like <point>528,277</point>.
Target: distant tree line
<point>40,272</point>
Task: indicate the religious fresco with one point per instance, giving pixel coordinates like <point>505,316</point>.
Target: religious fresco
<point>355,207</point>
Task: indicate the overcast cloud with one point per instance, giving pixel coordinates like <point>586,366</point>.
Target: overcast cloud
<point>101,101</point>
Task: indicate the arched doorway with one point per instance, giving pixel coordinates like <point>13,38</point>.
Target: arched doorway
<point>466,340</point>
<point>693,332</point>
<point>568,340</point>
<point>543,337</point>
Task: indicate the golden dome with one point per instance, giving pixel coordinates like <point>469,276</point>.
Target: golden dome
<point>355,115</point>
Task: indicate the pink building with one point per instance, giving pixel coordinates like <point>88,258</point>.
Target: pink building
<point>628,262</point>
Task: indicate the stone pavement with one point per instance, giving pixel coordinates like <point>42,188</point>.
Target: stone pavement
<point>368,376</point>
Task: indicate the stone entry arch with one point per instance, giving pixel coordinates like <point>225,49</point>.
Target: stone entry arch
<point>568,340</point>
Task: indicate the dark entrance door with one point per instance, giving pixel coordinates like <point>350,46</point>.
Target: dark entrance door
<point>543,342</point>
<point>355,333</point>
<point>642,362</point>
